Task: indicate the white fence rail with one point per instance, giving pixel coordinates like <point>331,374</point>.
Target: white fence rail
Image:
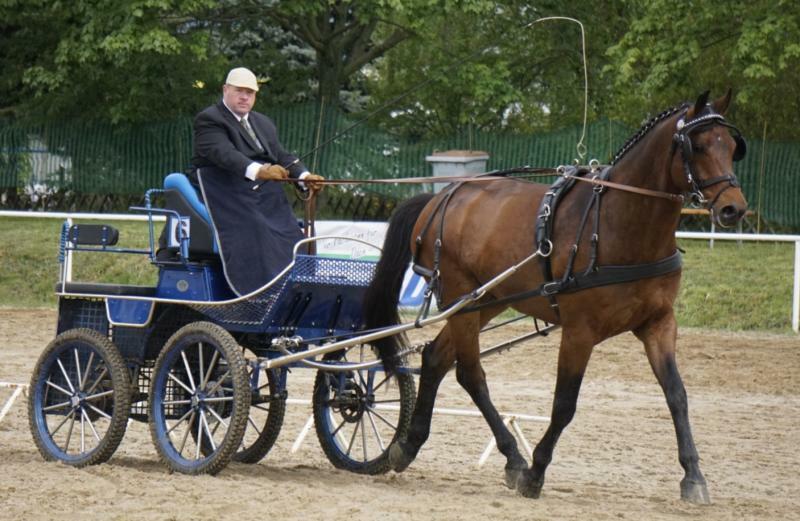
<point>355,227</point>
<point>762,238</point>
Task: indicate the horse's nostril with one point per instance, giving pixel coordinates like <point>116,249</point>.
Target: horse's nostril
<point>731,213</point>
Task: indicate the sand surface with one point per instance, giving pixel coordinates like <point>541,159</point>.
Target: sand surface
<point>617,460</point>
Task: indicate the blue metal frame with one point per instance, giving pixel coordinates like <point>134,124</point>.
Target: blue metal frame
<point>318,297</point>
<point>191,281</point>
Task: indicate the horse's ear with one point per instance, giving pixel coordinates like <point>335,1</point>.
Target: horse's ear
<point>700,104</point>
<point>721,104</point>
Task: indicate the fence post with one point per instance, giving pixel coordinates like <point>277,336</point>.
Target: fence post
<point>796,289</point>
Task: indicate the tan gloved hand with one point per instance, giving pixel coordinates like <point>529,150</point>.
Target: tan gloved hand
<point>271,173</point>
<point>311,182</point>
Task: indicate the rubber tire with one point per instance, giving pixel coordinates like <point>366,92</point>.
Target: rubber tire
<point>120,382</point>
<point>232,352</point>
<point>272,425</point>
<point>379,464</point>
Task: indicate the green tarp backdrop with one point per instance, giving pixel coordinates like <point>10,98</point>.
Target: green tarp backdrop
<point>101,159</point>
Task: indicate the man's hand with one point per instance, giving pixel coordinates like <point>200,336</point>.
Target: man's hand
<point>311,181</point>
<point>271,173</point>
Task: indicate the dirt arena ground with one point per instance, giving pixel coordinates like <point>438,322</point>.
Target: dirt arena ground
<point>617,460</point>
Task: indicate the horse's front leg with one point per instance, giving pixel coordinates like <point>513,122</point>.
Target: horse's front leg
<point>573,356</point>
<point>437,358</point>
<point>659,340</point>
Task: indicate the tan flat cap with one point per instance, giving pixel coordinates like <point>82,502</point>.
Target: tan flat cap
<point>242,77</point>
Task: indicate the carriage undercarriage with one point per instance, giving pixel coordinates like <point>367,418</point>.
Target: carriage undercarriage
<point>209,373</point>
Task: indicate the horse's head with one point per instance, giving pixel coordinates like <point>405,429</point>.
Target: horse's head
<point>705,146</point>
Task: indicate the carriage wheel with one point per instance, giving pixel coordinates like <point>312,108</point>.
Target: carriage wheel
<point>199,387</point>
<point>265,419</point>
<point>80,399</point>
<point>358,414</point>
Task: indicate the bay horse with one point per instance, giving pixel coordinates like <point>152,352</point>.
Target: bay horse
<point>487,227</point>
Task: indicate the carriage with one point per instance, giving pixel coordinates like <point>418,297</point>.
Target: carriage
<point>207,370</point>
<point>196,362</point>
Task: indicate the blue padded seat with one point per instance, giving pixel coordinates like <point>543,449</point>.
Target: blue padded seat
<point>179,182</point>
<point>182,197</point>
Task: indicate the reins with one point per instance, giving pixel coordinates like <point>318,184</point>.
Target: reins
<point>627,188</point>
<point>526,172</point>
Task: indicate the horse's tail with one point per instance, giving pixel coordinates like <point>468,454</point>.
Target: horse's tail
<point>383,294</point>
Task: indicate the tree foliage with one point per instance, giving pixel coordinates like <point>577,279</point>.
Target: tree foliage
<point>468,63</point>
<point>675,49</point>
<point>504,69</point>
<point>122,60</point>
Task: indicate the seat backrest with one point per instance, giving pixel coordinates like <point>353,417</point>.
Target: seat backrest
<point>182,197</point>
<point>181,183</point>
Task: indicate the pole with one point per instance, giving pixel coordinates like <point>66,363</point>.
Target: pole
<point>761,177</point>
<point>796,291</point>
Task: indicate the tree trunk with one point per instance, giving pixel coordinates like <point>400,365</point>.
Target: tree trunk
<point>329,72</point>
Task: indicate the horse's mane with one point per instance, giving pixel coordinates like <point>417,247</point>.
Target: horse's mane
<point>647,127</point>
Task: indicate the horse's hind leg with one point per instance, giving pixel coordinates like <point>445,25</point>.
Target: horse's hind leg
<point>437,358</point>
<point>573,355</point>
<point>659,342</point>
<point>472,378</point>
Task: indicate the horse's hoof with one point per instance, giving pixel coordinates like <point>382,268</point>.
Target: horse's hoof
<point>528,485</point>
<point>512,476</point>
<point>399,459</point>
<point>695,492</point>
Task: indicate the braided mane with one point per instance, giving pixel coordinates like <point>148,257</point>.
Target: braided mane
<point>647,127</point>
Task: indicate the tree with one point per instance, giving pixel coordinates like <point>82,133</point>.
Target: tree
<point>104,59</point>
<point>673,50</point>
<point>135,60</point>
<point>347,35</point>
<point>498,71</point>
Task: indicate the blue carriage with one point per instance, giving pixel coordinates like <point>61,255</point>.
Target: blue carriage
<point>207,370</point>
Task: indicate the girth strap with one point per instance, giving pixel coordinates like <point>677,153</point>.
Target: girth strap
<point>600,276</point>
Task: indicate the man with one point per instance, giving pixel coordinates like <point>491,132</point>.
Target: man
<point>236,154</point>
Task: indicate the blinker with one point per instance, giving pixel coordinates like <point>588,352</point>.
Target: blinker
<point>741,147</point>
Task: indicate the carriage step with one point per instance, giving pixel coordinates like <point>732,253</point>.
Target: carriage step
<point>95,288</point>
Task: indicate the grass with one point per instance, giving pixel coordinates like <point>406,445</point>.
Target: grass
<point>735,287</point>
<point>738,287</point>
<point>29,260</point>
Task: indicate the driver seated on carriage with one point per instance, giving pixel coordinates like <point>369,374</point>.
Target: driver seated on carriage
<point>236,150</point>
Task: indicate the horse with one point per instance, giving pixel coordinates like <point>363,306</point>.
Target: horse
<point>483,228</point>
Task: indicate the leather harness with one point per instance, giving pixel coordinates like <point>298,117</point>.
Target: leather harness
<point>593,275</point>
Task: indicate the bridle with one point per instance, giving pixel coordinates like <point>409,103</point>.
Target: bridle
<point>682,141</point>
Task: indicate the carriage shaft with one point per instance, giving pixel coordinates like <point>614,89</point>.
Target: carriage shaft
<point>459,304</point>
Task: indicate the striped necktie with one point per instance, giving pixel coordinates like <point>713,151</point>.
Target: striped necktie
<point>252,133</point>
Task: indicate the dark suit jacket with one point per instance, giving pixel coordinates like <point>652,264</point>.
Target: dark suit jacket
<point>256,229</point>
<point>221,141</point>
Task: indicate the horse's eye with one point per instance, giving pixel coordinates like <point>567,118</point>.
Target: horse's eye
<point>699,149</point>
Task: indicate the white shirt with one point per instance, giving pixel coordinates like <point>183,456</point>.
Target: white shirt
<point>252,168</point>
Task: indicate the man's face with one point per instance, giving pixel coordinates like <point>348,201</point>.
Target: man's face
<point>239,99</point>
